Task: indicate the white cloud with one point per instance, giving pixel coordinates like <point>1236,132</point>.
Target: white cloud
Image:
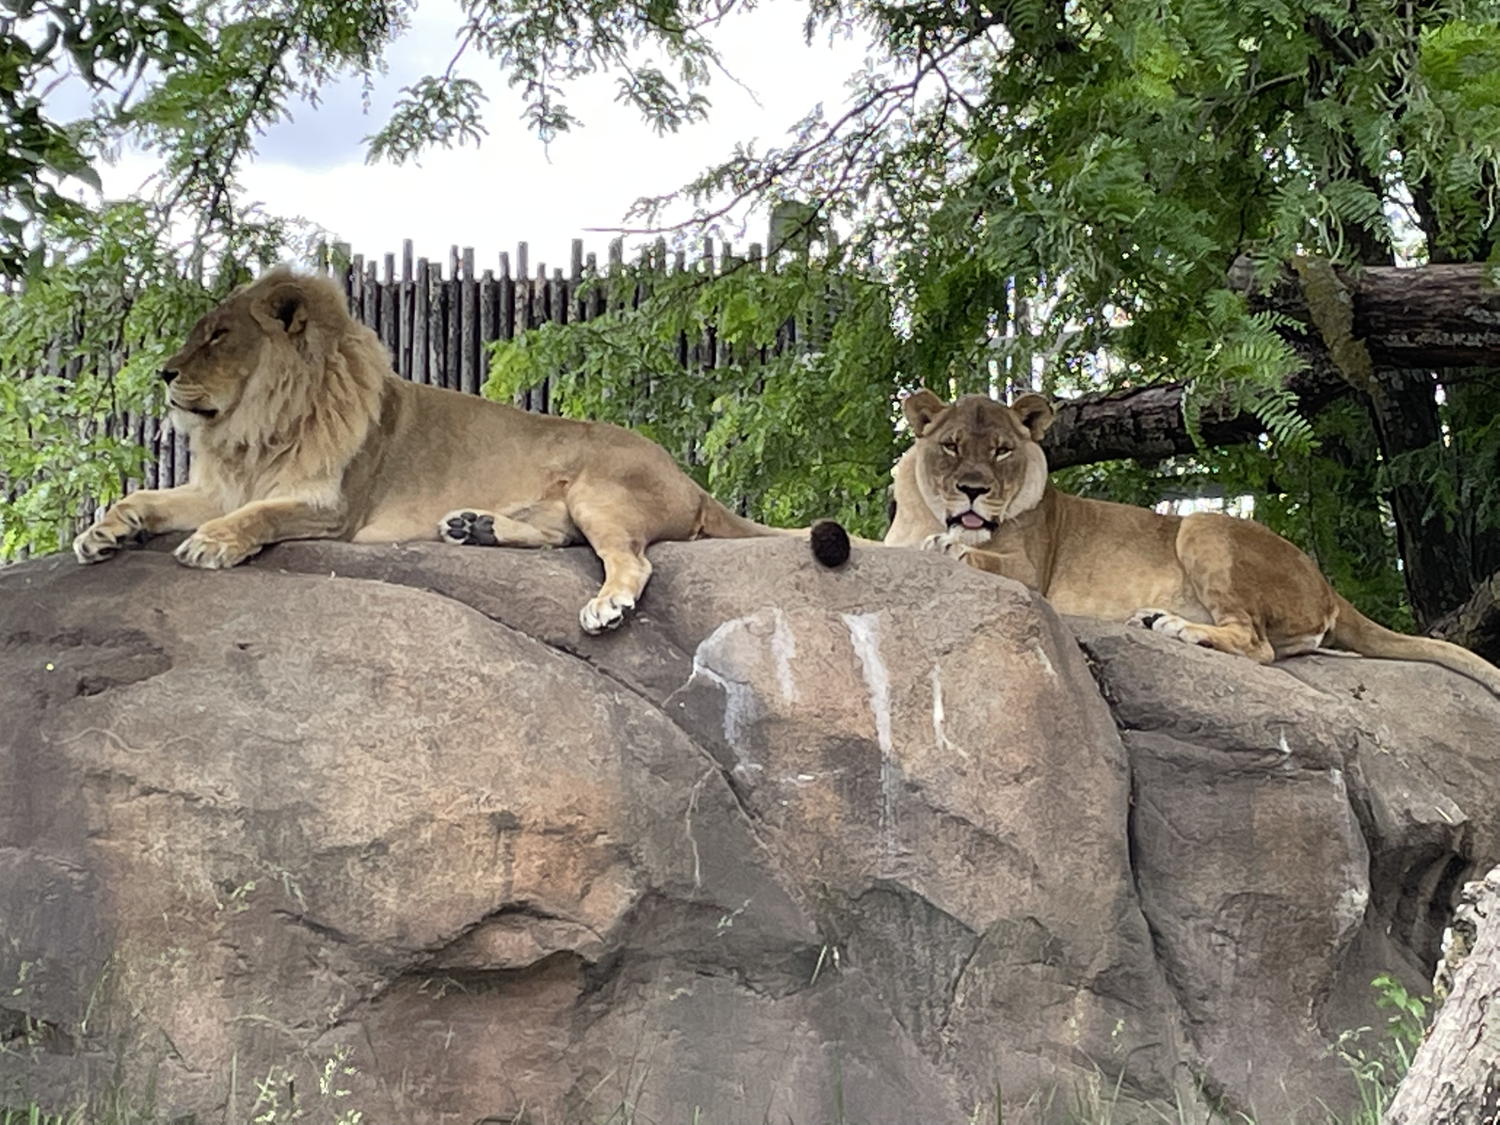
<point>511,189</point>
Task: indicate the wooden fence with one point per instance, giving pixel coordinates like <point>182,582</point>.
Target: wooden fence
<point>438,327</point>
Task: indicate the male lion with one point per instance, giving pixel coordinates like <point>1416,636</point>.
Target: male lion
<point>974,485</point>
<point>299,429</point>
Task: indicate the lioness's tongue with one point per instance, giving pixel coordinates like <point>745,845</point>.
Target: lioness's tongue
<point>972,520</point>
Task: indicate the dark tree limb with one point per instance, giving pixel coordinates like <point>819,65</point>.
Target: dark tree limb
<point>1146,424</point>
<point>1476,624</point>
<point>1409,319</point>
<point>1425,316</point>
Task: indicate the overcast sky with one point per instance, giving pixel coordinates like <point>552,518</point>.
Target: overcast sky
<point>511,188</point>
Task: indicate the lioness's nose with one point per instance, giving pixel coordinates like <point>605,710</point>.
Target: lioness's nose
<point>973,491</point>
<point>167,375</point>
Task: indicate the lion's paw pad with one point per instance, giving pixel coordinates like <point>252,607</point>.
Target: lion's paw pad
<point>469,529</point>
<point>605,612</point>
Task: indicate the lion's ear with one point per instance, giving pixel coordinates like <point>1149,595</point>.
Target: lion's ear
<point>1035,413</point>
<point>922,409</point>
<point>284,308</point>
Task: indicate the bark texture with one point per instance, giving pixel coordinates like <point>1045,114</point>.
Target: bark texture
<point>1455,1078</point>
<point>1476,623</point>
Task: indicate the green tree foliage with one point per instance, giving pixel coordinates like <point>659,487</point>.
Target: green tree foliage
<point>101,44</point>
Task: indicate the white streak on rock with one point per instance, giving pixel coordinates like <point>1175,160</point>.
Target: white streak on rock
<point>783,648</point>
<point>1041,654</point>
<point>741,653</point>
<point>937,709</point>
<point>864,635</point>
<point>712,660</point>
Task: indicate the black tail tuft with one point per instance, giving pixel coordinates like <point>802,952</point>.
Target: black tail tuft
<point>830,543</point>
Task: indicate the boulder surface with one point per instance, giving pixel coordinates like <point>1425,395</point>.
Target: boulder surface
<point>878,844</point>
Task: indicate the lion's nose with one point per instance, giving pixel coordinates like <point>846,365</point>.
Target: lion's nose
<point>973,491</point>
<point>167,375</point>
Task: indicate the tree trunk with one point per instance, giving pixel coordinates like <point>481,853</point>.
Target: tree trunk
<point>1455,1077</point>
<point>1405,415</point>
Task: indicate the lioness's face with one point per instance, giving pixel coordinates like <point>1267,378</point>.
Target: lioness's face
<point>222,355</point>
<point>978,461</point>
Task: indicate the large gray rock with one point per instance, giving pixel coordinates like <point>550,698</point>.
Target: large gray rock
<point>791,845</point>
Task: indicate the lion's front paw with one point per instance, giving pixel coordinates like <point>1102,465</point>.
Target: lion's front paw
<point>605,612</point>
<point>105,538</point>
<point>95,544</point>
<point>947,543</point>
<point>214,548</point>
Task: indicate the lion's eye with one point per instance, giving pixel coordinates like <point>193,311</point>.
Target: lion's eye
<point>1002,454</point>
<point>217,335</point>
<point>950,448</point>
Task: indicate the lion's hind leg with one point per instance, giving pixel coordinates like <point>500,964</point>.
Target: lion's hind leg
<point>618,530</point>
<point>1223,567</point>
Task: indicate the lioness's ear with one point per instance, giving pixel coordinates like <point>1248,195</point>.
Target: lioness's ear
<point>1035,413</point>
<point>922,409</point>
<point>284,307</point>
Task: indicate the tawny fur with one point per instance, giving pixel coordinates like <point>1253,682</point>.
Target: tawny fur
<point>1209,579</point>
<point>299,429</point>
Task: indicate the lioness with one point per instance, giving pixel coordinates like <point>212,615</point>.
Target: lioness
<point>299,429</point>
<point>974,485</point>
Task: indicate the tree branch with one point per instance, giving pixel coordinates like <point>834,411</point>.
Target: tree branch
<point>1427,317</point>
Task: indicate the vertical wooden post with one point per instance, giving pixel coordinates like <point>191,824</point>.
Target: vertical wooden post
<point>355,290</point>
<point>489,315</point>
<point>389,323</point>
<point>407,303</point>
<point>421,300</point>
<point>437,329</point>
<point>506,325</point>
<point>468,327</point>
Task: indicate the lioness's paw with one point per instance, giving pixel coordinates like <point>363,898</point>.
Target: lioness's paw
<point>468,528</point>
<point>211,548</point>
<point>1170,625</point>
<point>1148,618</point>
<point>947,543</point>
<point>605,612</point>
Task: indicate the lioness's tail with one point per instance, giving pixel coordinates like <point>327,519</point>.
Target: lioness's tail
<point>828,539</point>
<point>1354,631</point>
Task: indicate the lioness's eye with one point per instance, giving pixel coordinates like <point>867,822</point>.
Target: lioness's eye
<point>1002,454</point>
<point>950,448</point>
<point>218,334</point>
